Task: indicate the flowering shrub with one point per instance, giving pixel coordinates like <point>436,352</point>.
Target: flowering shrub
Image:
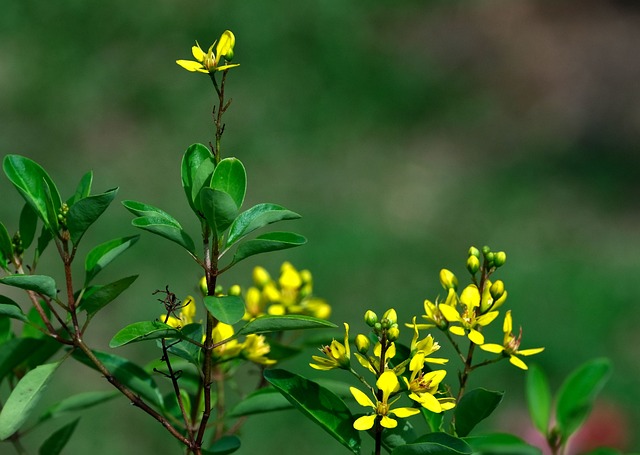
<point>199,342</point>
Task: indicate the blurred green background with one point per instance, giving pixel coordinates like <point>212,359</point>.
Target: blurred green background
<point>403,132</point>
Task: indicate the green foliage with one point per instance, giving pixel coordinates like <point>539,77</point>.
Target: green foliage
<point>501,444</point>
<point>96,297</point>
<point>265,243</point>
<point>86,211</point>
<point>475,406</point>
<point>227,308</point>
<point>41,284</point>
<point>269,324</point>
<point>142,331</point>
<point>538,398</point>
<point>54,444</point>
<point>102,255</point>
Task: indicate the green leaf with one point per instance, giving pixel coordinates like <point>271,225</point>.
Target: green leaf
<point>24,398</point>
<point>141,209</point>
<point>54,444</point>
<point>500,444</point>
<point>403,434</point>
<point>475,406</point>
<point>269,323</point>
<point>272,241</point>
<point>230,177</point>
<point>86,211</point>
<point>163,228</point>
<point>31,181</point>
<point>128,373</point>
<point>578,393</point>
<point>256,217</point>
<point>185,349</point>
<point>428,448</point>
<point>223,446</point>
<point>434,420</point>
<point>28,225</point>
<point>13,352</point>
<point>76,403</point>
<point>41,284</point>
<point>218,208</point>
<point>446,440</point>
<point>228,309</point>
<point>97,297</point>
<point>196,171</point>
<point>43,241</point>
<point>53,210</point>
<point>142,331</point>
<point>83,189</point>
<point>102,255</point>
<point>11,309</point>
<point>538,398</point>
<point>6,245</point>
<point>318,404</point>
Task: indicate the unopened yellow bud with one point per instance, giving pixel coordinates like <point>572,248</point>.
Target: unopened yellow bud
<point>370,318</point>
<point>260,276</point>
<point>448,279</point>
<point>473,264</point>
<point>235,290</point>
<point>499,258</point>
<point>362,343</point>
<point>473,251</point>
<point>391,316</point>
<point>203,285</point>
<point>225,45</point>
<point>497,289</point>
<point>499,301</point>
<point>393,333</point>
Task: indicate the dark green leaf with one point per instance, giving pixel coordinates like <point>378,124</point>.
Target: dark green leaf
<point>445,440</point>
<point>97,297</point>
<point>13,352</point>
<point>475,406</point>
<point>86,211</point>
<point>142,331</point>
<point>76,403</point>
<point>102,255</point>
<point>196,171</point>
<point>578,392</point>
<point>53,207</point>
<point>434,420</point>
<point>228,309</point>
<point>501,444</point>
<point>272,241</point>
<point>83,189</point>
<point>11,309</point>
<point>54,444</point>
<point>538,398</point>
<point>31,181</point>
<point>36,327</point>
<point>268,323</point>
<point>6,245</point>
<point>142,209</point>
<point>163,228</point>
<point>223,446</point>
<point>43,241</point>
<point>230,177</point>
<point>127,373</point>
<point>41,284</point>
<point>28,225</point>
<point>403,434</point>
<point>5,329</point>
<point>318,404</point>
<point>24,398</point>
<point>218,208</point>
<point>185,349</point>
<point>256,217</point>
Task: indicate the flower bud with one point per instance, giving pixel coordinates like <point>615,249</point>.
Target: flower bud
<point>499,258</point>
<point>370,318</point>
<point>260,276</point>
<point>362,343</point>
<point>473,264</point>
<point>203,285</point>
<point>393,333</point>
<point>391,316</point>
<point>489,257</point>
<point>497,289</point>
<point>473,251</point>
<point>225,45</point>
<point>486,250</point>
<point>235,290</point>
<point>448,279</point>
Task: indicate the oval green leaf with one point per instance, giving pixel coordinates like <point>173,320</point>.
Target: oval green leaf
<point>41,284</point>
<point>228,308</point>
<point>256,217</point>
<point>141,209</point>
<point>97,297</point>
<point>578,393</point>
<point>218,208</point>
<point>86,211</point>
<point>269,323</point>
<point>6,245</point>
<point>54,444</point>
<point>166,229</point>
<point>24,398</point>
<point>11,309</point>
<point>475,406</point>
<point>28,225</point>
<point>272,241</point>
<point>102,255</point>
<point>83,189</point>
<point>76,403</point>
<point>224,446</point>
<point>501,444</point>
<point>319,404</point>
<point>538,398</point>
<point>143,331</point>
<point>196,170</point>
<point>230,177</point>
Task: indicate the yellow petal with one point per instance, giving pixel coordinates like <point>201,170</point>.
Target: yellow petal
<point>492,347</point>
<point>189,65</point>
<point>404,412</point>
<point>364,423</point>
<point>449,313</point>
<point>388,383</point>
<point>427,401</point>
<point>457,330</point>
<point>346,340</point>
<point>226,67</point>
<point>470,296</point>
<point>188,309</point>
<point>417,362</point>
<point>517,362</point>
<point>388,422</point>
<point>530,351</point>
<point>226,43</point>
<point>436,360</point>
<point>507,327</point>
<point>435,377</point>
<point>450,403</point>
<point>198,54</point>
<point>488,318</point>
<point>361,397</point>
<point>476,337</point>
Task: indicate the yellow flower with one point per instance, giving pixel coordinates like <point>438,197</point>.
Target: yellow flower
<point>470,299</point>
<point>229,349</point>
<point>209,62</point>
<point>187,314</point>
<point>373,363</point>
<point>388,384</point>
<point>255,349</point>
<point>511,345</point>
<point>426,346</point>
<point>338,355</point>
<point>423,387</point>
<point>433,314</point>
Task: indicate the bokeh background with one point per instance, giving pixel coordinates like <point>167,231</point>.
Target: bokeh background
<point>403,132</point>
